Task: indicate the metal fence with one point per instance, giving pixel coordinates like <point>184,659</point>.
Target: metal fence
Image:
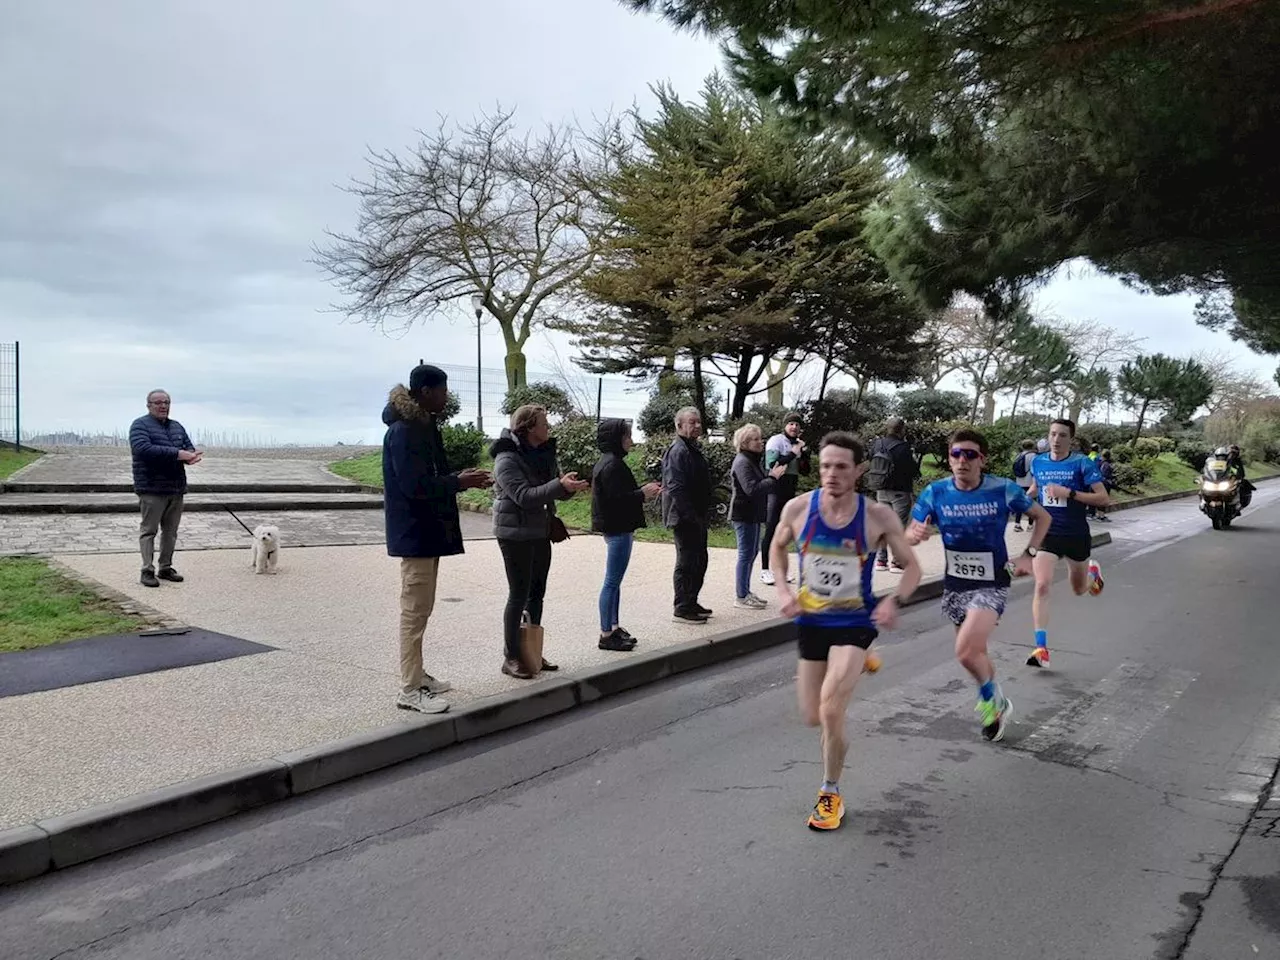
<point>10,396</point>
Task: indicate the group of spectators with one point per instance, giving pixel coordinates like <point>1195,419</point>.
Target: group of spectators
<point>423,521</point>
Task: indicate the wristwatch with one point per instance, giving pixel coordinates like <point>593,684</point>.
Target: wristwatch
<point>1031,551</point>
<point>1071,494</point>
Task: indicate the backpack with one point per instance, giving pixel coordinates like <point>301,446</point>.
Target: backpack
<point>1020,465</point>
<point>881,468</point>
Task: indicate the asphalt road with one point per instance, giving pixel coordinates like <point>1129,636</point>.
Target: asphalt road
<point>1121,818</point>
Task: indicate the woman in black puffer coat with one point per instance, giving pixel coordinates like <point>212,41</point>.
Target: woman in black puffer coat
<point>526,485</point>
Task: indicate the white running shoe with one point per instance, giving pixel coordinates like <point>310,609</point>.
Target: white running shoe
<point>766,577</point>
<point>432,685</point>
<point>422,701</point>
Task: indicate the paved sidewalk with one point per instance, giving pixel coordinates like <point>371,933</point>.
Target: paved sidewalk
<point>106,530</point>
<point>331,612</point>
<point>112,465</point>
<point>60,533</point>
<point>194,502</point>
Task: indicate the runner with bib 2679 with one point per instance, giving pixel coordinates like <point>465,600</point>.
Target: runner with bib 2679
<point>971,511</point>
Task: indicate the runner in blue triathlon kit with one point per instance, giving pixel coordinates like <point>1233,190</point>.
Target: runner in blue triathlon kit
<point>836,533</point>
<point>1066,484</point>
<point>971,510</point>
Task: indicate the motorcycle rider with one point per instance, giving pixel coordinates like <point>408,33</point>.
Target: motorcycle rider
<point>1235,466</point>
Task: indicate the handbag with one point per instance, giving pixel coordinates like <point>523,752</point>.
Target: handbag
<point>531,646</point>
<point>556,529</point>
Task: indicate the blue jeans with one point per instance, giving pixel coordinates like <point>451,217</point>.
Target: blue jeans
<point>617,557</point>
<point>748,535</point>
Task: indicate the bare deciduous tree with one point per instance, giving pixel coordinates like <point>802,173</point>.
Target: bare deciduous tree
<point>1099,348</point>
<point>475,210</point>
<point>941,332</point>
<point>1233,388</point>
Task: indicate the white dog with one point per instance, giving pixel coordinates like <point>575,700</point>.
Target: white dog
<point>265,549</point>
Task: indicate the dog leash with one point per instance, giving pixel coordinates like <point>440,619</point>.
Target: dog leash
<point>237,519</point>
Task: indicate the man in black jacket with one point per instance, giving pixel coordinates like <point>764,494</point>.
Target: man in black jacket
<point>686,506</point>
<point>161,451</point>
<point>892,475</point>
<point>420,506</point>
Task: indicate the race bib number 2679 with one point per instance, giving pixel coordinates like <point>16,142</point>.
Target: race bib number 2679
<point>971,566</point>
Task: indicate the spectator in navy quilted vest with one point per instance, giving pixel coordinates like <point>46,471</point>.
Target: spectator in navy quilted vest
<point>161,453</point>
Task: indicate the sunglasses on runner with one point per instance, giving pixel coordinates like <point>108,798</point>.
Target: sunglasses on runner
<point>964,453</point>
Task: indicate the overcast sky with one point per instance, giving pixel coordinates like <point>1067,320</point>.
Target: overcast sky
<point>166,168</point>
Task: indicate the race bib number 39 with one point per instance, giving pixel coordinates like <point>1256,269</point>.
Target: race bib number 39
<point>971,566</point>
<point>832,579</point>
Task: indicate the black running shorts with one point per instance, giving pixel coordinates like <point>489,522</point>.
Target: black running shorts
<point>1073,548</point>
<point>816,642</point>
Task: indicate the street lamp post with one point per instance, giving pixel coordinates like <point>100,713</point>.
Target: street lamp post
<point>477,304</point>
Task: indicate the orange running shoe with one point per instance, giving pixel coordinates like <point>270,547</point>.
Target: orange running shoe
<point>873,662</point>
<point>1039,658</point>
<point>1095,578</point>
<point>827,812</point>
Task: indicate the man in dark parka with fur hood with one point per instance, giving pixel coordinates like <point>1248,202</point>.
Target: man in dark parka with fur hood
<point>420,505</point>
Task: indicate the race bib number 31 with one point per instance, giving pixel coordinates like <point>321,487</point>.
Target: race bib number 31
<point>971,566</point>
<point>1049,501</point>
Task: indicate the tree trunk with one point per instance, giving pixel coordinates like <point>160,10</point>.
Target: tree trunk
<point>517,365</point>
<point>826,375</point>
<point>777,378</point>
<point>699,394</point>
<point>989,407</point>
<point>1013,412</point>
<point>742,386</point>
<point>1142,415</point>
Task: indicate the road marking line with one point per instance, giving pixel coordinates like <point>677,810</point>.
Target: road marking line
<point>1101,728</point>
<point>1256,759</point>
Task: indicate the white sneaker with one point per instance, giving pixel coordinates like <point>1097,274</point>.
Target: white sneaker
<point>423,701</point>
<point>432,685</point>
<point>791,577</point>
<point>766,577</point>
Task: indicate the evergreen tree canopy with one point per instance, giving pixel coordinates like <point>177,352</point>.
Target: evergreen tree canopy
<point>1156,382</point>
<point>1136,133</point>
<point>739,238</point>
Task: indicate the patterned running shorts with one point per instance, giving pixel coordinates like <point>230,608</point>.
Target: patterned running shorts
<point>957,603</point>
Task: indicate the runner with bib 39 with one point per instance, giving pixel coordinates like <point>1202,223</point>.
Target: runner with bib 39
<point>836,532</point>
<point>971,511</point>
<point>1065,483</point>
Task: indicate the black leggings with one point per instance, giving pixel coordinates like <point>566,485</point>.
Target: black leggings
<point>783,491</point>
<point>527,563</point>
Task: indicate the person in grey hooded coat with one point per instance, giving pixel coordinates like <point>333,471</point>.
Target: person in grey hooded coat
<point>526,485</point>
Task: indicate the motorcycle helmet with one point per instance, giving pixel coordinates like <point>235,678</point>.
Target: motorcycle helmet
<point>1221,452</point>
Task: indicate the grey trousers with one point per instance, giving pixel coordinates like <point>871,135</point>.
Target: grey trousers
<point>163,514</point>
<point>900,500</point>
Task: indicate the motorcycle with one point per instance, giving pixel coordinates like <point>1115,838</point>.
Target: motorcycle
<point>1219,493</point>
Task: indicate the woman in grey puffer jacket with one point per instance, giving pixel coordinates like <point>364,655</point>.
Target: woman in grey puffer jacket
<point>526,485</point>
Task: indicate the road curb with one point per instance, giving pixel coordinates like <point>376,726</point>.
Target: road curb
<point>30,850</point>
